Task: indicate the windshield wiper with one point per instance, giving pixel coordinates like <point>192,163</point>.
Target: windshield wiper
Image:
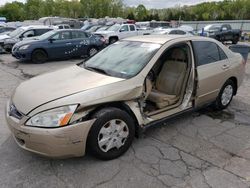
<point>96,69</point>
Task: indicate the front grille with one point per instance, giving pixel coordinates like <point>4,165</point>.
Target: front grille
<point>14,112</point>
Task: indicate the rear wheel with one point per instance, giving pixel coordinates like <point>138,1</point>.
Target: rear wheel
<point>226,95</point>
<point>111,134</point>
<point>39,56</point>
<point>92,51</point>
<point>235,40</point>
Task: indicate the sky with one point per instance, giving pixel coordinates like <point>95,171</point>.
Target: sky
<point>148,3</point>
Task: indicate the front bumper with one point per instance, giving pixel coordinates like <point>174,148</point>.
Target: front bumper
<point>64,142</point>
<point>24,55</point>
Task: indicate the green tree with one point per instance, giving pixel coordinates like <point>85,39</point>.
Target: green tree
<point>13,11</point>
<point>141,12</point>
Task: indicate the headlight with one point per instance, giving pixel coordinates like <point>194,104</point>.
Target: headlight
<point>24,47</point>
<point>53,118</point>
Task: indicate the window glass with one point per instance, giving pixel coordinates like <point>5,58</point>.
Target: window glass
<point>173,32</point>
<point>29,33</point>
<point>65,35</point>
<point>16,32</point>
<point>78,35</point>
<point>206,52</point>
<point>132,27</point>
<point>41,31</point>
<point>180,32</point>
<point>222,54</point>
<point>122,64</point>
<point>124,28</point>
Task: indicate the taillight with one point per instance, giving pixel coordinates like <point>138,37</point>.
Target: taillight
<point>103,39</point>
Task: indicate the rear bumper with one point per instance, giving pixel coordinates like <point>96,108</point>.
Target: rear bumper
<point>64,142</point>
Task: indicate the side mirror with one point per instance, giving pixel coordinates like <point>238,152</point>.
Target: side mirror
<point>51,40</point>
<point>122,30</point>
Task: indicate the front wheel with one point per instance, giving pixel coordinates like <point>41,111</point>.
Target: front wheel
<point>39,56</point>
<point>111,134</point>
<point>226,95</point>
<point>112,40</point>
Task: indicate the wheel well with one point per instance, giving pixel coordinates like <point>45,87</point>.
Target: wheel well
<point>234,79</point>
<point>121,106</point>
<point>113,37</point>
<point>40,49</point>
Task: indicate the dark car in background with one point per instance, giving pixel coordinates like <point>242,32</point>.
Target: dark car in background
<point>65,43</point>
<point>22,33</point>
<point>223,32</point>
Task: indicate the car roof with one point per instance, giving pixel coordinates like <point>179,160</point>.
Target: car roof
<point>36,27</point>
<point>59,30</point>
<point>162,39</point>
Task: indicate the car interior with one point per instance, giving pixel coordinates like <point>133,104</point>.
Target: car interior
<point>165,83</point>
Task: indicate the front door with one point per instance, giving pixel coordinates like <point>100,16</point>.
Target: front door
<point>61,45</point>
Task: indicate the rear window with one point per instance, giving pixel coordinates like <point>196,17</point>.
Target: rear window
<point>132,27</point>
<point>42,31</point>
<point>78,35</point>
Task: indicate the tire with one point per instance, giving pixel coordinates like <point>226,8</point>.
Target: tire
<point>218,38</point>
<point>112,40</point>
<point>92,51</point>
<point>39,56</point>
<point>103,137</point>
<point>235,40</point>
<point>8,48</point>
<point>225,96</point>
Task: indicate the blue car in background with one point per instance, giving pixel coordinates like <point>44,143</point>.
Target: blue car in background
<point>58,44</point>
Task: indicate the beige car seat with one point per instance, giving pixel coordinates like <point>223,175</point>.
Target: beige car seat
<point>170,80</point>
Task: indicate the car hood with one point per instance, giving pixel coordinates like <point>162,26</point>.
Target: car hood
<point>24,42</point>
<point>2,37</point>
<point>11,40</point>
<point>55,85</point>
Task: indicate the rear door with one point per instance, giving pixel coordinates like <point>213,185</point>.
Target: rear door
<point>212,69</point>
<point>61,45</point>
<point>80,43</point>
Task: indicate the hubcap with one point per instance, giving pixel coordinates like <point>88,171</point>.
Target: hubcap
<point>92,51</point>
<point>227,95</point>
<point>113,135</point>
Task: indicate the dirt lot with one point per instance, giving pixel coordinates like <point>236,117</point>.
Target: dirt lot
<point>204,149</point>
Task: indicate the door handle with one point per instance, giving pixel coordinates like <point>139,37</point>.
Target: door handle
<point>224,67</point>
<point>68,43</point>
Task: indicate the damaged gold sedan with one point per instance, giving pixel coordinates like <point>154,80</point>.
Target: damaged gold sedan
<point>102,103</point>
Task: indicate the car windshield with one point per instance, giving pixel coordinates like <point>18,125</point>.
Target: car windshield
<point>46,35</point>
<point>115,27</point>
<point>123,59</point>
<point>212,27</point>
<point>16,32</point>
<point>92,29</point>
<point>103,28</point>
